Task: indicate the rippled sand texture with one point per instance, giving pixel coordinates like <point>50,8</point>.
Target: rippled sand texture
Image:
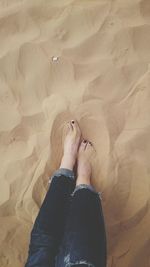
<point>102,79</point>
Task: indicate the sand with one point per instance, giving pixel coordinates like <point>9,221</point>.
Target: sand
<point>101,78</point>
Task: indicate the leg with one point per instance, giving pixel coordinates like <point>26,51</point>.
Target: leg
<point>85,236</point>
<point>49,225</point>
<point>84,242</point>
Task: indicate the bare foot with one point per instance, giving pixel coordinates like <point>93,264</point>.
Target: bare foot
<point>71,145</point>
<point>84,170</point>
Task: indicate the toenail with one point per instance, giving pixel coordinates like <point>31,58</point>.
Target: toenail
<point>72,121</point>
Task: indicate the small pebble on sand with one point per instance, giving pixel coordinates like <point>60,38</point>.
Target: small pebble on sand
<point>55,58</point>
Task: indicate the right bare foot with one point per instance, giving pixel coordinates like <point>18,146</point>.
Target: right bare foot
<point>84,170</point>
<point>71,145</point>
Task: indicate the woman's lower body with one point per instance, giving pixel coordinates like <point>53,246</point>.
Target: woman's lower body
<point>69,229</point>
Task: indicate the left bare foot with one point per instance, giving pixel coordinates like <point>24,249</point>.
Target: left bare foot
<point>71,145</point>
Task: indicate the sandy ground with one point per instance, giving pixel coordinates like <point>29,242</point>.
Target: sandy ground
<point>102,79</point>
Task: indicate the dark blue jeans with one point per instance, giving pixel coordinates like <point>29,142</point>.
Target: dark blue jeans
<point>69,230</point>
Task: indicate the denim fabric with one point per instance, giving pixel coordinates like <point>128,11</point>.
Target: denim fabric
<point>84,240</point>
<point>90,187</point>
<point>62,171</point>
<point>69,229</point>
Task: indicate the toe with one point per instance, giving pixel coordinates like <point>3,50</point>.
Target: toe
<point>69,126</point>
<point>76,127</point>
<point>90,146</point>
<point>72,125</point>
<point>83,145</point>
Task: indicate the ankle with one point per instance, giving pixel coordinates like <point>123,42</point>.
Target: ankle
<point>83,180</point>
<point>67,162</point>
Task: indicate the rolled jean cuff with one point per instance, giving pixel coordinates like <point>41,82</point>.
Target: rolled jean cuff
<point>65,172</point>
<point>85,186</point>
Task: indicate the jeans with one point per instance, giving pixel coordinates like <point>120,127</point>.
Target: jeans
<point>69,230</point>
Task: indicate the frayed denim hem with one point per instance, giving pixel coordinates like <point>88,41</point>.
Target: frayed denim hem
<point>85,186</point>
<point>62,171</point>
<point>87,264</point>
<point>70,264</point>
